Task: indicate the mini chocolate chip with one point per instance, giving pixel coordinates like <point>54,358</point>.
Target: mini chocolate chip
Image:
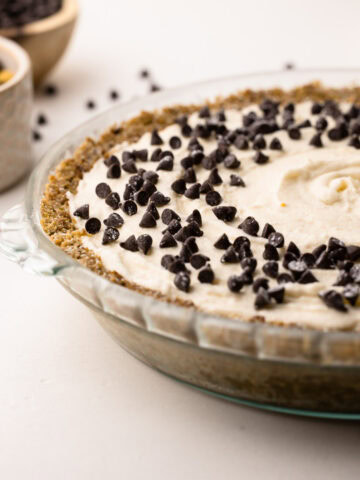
<point>206,187</point>
<point>230,256</point>
<point>338,133</point>
<point>294,133</point>
<point>239,242</point>
<point>250,226</point>
<point>128,192</point>
<point>90,105</point>
<point>186,130</point>
<point>259,142</point>
<point>147,221</point>
<point>355,127</point>
<point>191,244</point>
<point>193,230</point>
<point>292,248</point>
<point>198,260</point>
<point>185,254</point>
<point>186,162</point>
<point>111,234</point>
<point>168,215</point>
<point>236,181</point>
<point>130,244</point>
<point>354,142</point>
<point>351,293</point>
<point>159,199</point>
<point>114,171</point>
<point>316,141</point>
<point>271,269</point>
<point>167,241</point>
<point>353,252</point>
<point>179,186</point>
<point>144,243</point>
<point>193,192</point>
<point>267,230</point>
<point>231,161</point>
<point>343,278</point>
<point>260,282</point>
<point>129,166</point>
<point>335,243</point>
<point>318,251</point>
<point>284,278</point>
<point>345,265</point>
<point>321,124</point>
<point>277,293</point>
<point>129,207</point>
<point>260,158</point>
<point>182,281</point>
<point>82,212</point>
<point>153,210</point>
<point>262,299</point>
<point>307,277</point>
<point>304,124</point>
<point>93,225</point>
<point>204,112</point>
<point>166,261</point>
<point>141,155</point>
<point>297,268</point>
<point>141,197</point>
<point>289,257</point>
<point>102,190</point>
<point>222,243</point>
<point>112,160</point>
<point>234,283</point>
<point>175,142</point>
<point>114,220</point>
<point>213,198</point>
<point>113,200</point>
<point>136,181</point>
<point>173,227</point>
<point>214,177</point>
<point>275,144</point>
<point>270,252</point>
<point>316,108</point>
<point>276,239</point>
<point>241,142</point>
<point>209,162</point>
<point>155,138</point>
<point>155,156</point>
<point>189,175</point>
<point>151,176</point>
<point>248,264</point>
<point>206,275</point>
<point>167,164</point>
<point>126,156</point>
<point>197,156</point>
<point>226,214</point>
<point>333,299</point>
<point>309,259</point>
<point>114,94</point>
<point>149,187</point>
<point>194,144</point>
<point>195,216</point>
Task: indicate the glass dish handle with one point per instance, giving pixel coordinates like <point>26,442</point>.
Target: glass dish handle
<point>18,244</point>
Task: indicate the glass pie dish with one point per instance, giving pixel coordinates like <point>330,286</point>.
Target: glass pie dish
<point>286,369</point>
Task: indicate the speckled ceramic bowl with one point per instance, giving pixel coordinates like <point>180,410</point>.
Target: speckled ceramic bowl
<point>15,115</point>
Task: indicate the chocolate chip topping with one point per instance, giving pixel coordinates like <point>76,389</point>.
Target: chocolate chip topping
<point>214,178</point>
<point>222,243</point>
<point>260,158</point>
<point>155,138</point>
<point>144,243</point>
<point>213,198</point>
<point>334,300</point>
<point>130,244</point>
<point>82,212</point>
<point>235,283</point>
<point>195,216</point>
<point>167,241</point>
<point>147,221</point>
<point>113,200</point>
<point>267,230</point>
<point>129,207</point>
<point>316,140</point>
<point>277,293</point>
<point>189,175</point>
<point>271,269</point>
<point>250,226</point>
<point>168,215</point>
<point>270,252</point>
<point>114,171</point>
<point>102,190</point>
<point>182,281</point>
<point>231,161</point>
<point>276,239</point>
<point>262,299</point>
<point>111,234</point>
<point>236,181</point>
<point>179,186</point>
<point>112,160</point>
<point>175,142</point>
<point>193,192</point>
<point>153,210</point>
<point>275,144</point>
<point>260,282</point>
<point>226,214</point>
<point>129,166</point>
<point>230,256</point>
<point>167,164</point>
<point>198,260</point>
<point>206,275</point>
<point>93,225</point>
<point>114,220</point>
<point>159,199</point>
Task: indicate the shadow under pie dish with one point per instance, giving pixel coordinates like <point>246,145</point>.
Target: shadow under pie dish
<point>218,239</point>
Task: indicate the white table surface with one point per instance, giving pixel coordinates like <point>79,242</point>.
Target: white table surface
<point>73,405</point>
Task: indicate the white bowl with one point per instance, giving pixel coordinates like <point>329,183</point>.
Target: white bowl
<point>15,115</point>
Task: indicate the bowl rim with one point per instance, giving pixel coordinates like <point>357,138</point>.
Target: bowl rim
<point>22,61</point>
<point>322,340</point>
<point>67,13</point>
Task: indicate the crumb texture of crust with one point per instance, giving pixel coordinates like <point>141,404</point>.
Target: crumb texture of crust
<point>56,220</point>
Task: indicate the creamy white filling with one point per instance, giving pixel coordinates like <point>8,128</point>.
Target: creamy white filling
<point>308,194</point>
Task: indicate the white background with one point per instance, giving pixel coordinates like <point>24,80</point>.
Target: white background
<point>73,405</point>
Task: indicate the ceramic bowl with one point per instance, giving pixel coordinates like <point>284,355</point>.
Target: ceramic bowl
<point>15,114</point>
<point>54,32</point>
